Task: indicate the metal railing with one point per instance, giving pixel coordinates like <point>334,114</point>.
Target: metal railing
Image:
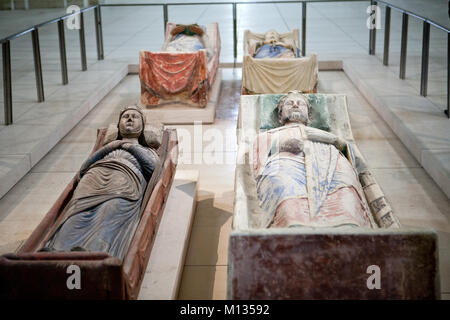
<point>403,46</point>
<point>6,54</point>
<point>6,49</point>
<point>100,54</point>
<point>234,4</point>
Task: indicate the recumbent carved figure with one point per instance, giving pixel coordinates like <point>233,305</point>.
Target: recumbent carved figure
<point>304,176</point>
<point>105,208</point>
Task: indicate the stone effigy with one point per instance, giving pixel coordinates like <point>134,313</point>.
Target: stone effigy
<point>272,64</point>
<point>273,47</point>
<point>104,210</point>
<point>310,221</point>
<point>184,70</point>
<point>104,222</point>
<point>302,176</point>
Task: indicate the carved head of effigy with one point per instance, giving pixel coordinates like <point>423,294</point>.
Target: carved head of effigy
<point>131,124</point>
<point>272,35</point>
<point>294,107</point>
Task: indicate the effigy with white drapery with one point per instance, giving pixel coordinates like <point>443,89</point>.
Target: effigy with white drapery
<point>279,74</point>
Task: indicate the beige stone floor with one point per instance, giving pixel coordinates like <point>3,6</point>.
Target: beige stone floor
<point>413,195</point>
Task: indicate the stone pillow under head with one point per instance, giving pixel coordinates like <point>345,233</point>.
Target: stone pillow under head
<point>153,133</point>
<point>269,114</point>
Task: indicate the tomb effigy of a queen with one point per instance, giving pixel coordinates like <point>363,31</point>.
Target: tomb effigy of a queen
<point>104,222</point>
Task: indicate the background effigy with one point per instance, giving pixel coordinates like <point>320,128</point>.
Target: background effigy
<point>274,74</point>
<point>184,70</point>
<point>319,262</point>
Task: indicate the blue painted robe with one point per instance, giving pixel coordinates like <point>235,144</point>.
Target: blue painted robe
<point>105,208</point>
<point>269,51</point>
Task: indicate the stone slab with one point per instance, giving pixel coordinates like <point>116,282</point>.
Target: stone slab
<point>183,114</point>
<point>12,168</point>
<point>329,65</point>
<point>162,277</point>
<point>437,165</point>
<point>333,264</point>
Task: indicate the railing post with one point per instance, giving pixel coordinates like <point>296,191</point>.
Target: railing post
<point>304,28</point>
<point>404,44</point>
<point>82,43</point>
<point>37,64</point>
<point>98,32</point>
<point>234,33</point>
<point>166,16</point>
<point>387,32</point>
<point>7,90</point>
<point>447,112</point>
<point>425,59</point>
<point>373,31</point>
<point>62,52</point>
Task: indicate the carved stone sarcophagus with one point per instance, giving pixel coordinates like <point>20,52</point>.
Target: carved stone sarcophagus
<point>373,257</point>
<point>34,274</point>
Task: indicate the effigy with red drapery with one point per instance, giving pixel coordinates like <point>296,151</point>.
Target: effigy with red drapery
<point>164,75</point>
<point>184,75</point>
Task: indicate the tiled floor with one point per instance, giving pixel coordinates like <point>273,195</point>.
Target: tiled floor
<point>334,31</point>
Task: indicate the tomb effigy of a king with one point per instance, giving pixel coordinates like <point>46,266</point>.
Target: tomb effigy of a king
<point>310,219</point>
<point>302,176</point>
<point>104,222</point>
<point>272,64</point>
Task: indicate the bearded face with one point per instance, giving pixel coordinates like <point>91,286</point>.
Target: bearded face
<point>294,109</point>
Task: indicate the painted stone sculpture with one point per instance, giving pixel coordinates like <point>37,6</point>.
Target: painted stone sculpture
<point>272,47</point>
<point>303,254</point>
<point>104,211</point>
<point>272,64</point>
<point>302,175</point>
<point>185,70</point>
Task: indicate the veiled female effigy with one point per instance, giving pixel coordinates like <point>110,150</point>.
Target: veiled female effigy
<point>272,64</point>
<point>104,222</point>
<point>185,69</point>
<point>310,219</point>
